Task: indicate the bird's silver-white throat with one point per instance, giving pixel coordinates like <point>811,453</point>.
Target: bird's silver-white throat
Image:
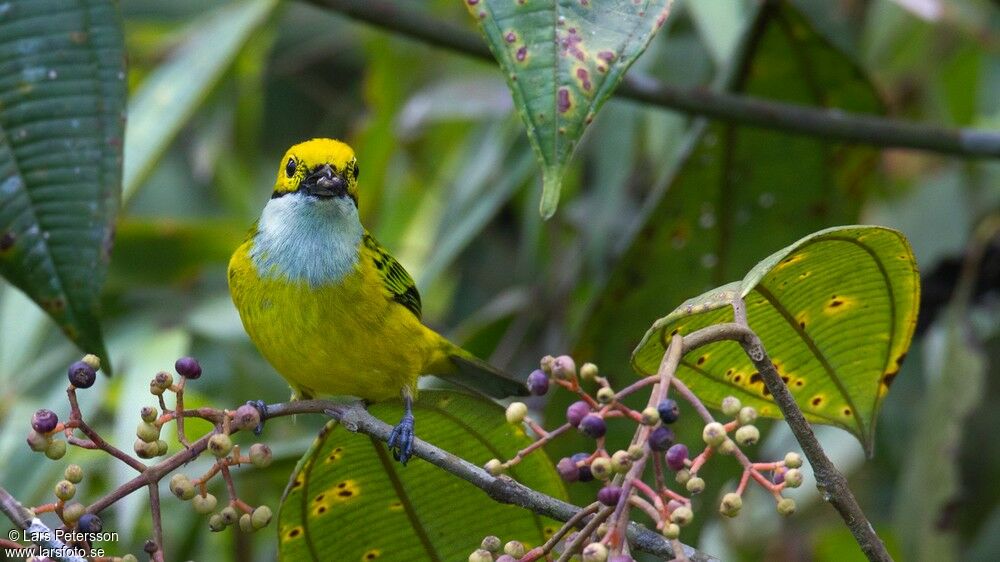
<point>302,238</point>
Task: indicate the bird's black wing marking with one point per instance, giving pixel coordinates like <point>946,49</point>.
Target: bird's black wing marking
<point>396,281</point>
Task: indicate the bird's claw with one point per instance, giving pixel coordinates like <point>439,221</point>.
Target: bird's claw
<point>400,440</point>
<point>261,408</point>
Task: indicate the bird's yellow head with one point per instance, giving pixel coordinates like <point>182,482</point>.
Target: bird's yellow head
<point>321,168</point>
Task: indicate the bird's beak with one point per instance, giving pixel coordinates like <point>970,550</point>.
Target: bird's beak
<point>323,182</point>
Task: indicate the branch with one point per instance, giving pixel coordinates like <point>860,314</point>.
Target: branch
<point>34,528</point>
<point>834,124</point>
<point>831,483</point>
<point>501,489</point>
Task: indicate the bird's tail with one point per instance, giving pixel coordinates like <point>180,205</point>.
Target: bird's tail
<point>465,369</point>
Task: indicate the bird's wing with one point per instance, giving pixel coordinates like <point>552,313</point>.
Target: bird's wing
<point>397,283</point>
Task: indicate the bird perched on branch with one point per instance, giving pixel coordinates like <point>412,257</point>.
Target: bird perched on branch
<point>329,307</point>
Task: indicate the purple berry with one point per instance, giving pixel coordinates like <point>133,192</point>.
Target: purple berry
<point>44,421</point>
<point>576,412</point>
<point>90,523</point>
<point>676,455</point>
<point>661,439</point>
<point>779,476</point>
<point>585,474</point>
<point>567,469</point>
<point>188,367</point>
<point>668,410</point>
<point>81,375</point>
<point>593,426</point>
<point>538,382</point>
<point>609,495</point>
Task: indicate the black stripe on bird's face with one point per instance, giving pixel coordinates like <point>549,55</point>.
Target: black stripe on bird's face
<point>323,182</point>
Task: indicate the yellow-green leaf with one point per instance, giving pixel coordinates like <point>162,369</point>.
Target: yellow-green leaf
<point>836,312</point>
<point>348,500</point>
<point>562,60</point>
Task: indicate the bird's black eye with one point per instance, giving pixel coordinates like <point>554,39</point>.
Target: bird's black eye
<point>356,170</point>
<point>290,167</point>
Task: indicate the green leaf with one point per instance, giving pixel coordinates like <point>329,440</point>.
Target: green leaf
<point>62,92</point>
<point>562,60</point>
<point>835,311</point>
<point>168,98</point>
<point>348,500</point>
<point>737,187</point>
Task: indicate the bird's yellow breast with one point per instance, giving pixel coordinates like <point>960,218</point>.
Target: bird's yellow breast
<point>343,337</point>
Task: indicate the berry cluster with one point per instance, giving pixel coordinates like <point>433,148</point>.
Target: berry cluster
<point>627,482</point>
<point>46,428</point>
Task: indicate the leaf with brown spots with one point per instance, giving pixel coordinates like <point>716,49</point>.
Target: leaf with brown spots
<point>348,500</point>
<point>562,60</point>
<point>836,312</point>
<point>62,105</point>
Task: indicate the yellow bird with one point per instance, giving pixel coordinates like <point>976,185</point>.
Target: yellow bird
<point>329,307</point>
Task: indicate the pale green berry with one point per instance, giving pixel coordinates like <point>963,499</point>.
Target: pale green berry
<point>601,468</point>
<point>588,372</point>
<point>793,460</point>
<point>650,416</point>
<point>671,531</point>
<point>229,515</point>
<point>220,445</point>
<point>260,455</point>
<point>494,467</point>
<point>204,504</point>
<point>793,478</point>
<point>129,558</point>
<point>786,506</point>
<point>682,515</point>
<point>731,406</point>
<point>695,485</point>
<point>56,449</point>
<point>747,435</point>
<point>73,512</point>
<point>602,530</point>
<point>245,525</point>
<point>516,412</point>
<point>605,395</point>
<point>73,473</point>
<point>65,490</point>
<point>161,447</point>
<point>731,504</point>
<point>635,452</point>
<point>216,523</point>
<point>481,556</point>
<point>514,548</point>
<point>93,361</point>
<point>727,447</point>
<point>181,486</point>
<point>546,364</point>
<point>261,517</point>
<point>145,450</point>
<point>683,476</point>
<point>38,442</point>
<point>148,414</point>
<point>595,552</point>
<point>620,462</point>
<point>747,415</point>
<point>148,432</point>
<point>713,434</point>
<point>491,544</point>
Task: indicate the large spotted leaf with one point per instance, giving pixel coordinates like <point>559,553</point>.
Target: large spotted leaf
<point>62,92</point>
<point>349,500</point>
<point>562,59</point>
<point>835,311</point>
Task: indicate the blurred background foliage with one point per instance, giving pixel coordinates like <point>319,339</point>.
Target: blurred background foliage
<point>218,90</point>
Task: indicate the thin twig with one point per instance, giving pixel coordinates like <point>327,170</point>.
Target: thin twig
<point>833,124</point>
<point>33,527</point>
<point>154,508</point>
